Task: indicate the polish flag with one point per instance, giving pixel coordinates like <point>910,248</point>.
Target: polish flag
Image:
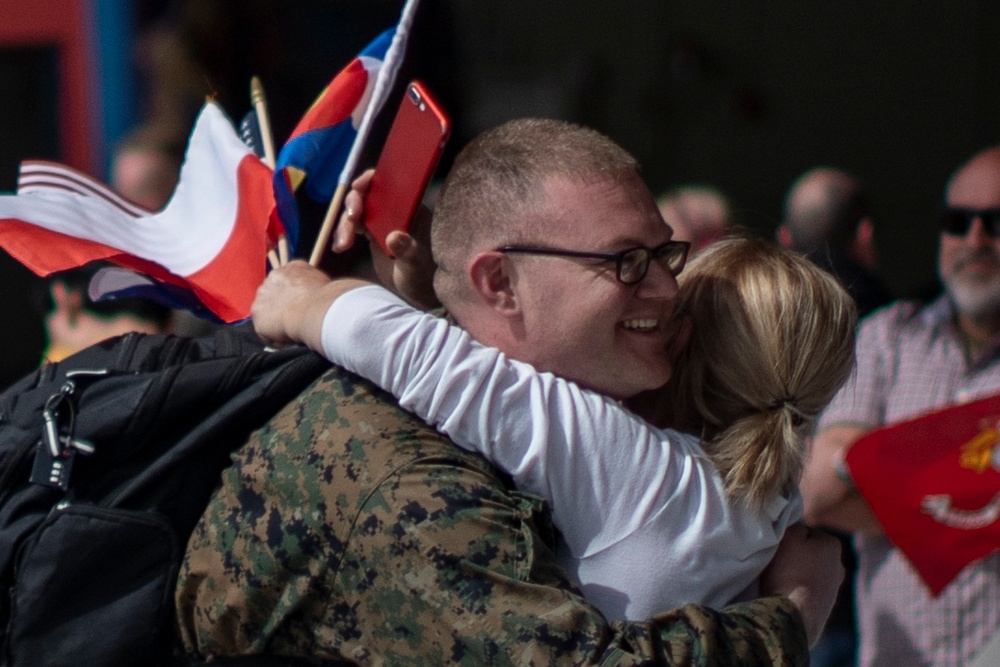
<point>211,238</point>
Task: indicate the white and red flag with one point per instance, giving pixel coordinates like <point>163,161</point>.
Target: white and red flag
<point>211,238</point>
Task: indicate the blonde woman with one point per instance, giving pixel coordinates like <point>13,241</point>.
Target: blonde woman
<point>650,517</point>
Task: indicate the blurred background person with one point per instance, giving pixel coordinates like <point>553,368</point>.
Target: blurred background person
<point>914,358</point>
<point>144,168</point>
<point>827,216</point>
<point>73,321</point>
<point>698,213</point>
<point>147,162</point>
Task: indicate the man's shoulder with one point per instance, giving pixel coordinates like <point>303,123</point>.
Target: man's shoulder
<point>343,418</point>
<point>906,316</point>
<point>338,498</point>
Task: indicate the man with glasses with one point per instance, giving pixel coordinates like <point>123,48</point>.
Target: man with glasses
<point>348,530</point>
<point>912,360</point>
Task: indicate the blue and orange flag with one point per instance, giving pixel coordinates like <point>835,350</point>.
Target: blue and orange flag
<point>318,147</point>
<point>942,506</point>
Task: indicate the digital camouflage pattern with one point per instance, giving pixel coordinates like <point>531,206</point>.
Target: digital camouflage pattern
<point>347,531</point>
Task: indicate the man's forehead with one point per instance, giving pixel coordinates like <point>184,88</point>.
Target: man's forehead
<point>601,201</point>
<point>607,215</point>
<point>977,185</point>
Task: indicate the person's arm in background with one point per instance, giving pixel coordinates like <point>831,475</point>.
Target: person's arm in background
<point>830,498</point>
<point>302,294</point>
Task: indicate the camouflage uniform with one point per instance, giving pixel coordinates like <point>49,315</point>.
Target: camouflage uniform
<point>348,531</point>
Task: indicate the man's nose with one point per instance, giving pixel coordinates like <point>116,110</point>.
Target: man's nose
<point>978,235</point>
<point>658,283</point>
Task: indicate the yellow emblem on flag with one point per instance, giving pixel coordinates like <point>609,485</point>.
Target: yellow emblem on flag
<point>982,451</point>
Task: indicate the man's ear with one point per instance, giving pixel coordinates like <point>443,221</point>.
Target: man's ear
<point>70,302</point>
<point>490,275</point>
<point>865,233</point>
<point>784,236</point>
<point>862,245</point>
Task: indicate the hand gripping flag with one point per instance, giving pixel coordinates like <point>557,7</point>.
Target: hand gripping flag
<point>933,482</point>
<point>211,238</point>
<point>319,145</point>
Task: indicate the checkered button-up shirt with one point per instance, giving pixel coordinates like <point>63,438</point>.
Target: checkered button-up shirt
<point>911,360</point>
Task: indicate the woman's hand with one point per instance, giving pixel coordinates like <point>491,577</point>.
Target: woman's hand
<point>292,302</point>
<point>350,225</point>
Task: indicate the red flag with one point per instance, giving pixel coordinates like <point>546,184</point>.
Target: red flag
<point>933,482</point>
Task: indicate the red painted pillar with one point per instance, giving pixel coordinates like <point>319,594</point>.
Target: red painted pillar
<point>67,25</point>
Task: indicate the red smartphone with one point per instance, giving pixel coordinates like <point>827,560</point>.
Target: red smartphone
<point>407,162</point>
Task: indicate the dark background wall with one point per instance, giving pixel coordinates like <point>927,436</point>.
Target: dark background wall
<point>747,95</point>
<point>741,94</point>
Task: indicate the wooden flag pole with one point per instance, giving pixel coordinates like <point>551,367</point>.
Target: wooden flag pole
<point>260,106</point>
<point>329,222</point>
<point>259,102</point>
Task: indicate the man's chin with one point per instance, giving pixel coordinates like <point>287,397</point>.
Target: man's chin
<point>975,300</point>
<point>645,378</point>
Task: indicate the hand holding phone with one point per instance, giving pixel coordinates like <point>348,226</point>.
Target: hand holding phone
<point>405,166</point>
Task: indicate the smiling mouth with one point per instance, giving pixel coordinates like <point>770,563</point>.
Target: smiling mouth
<point>641,324</point>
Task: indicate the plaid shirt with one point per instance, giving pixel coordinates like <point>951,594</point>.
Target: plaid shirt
<point>910,361</point>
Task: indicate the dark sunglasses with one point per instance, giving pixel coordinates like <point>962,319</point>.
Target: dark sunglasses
<point>630,265</point>
<point>958,221</point>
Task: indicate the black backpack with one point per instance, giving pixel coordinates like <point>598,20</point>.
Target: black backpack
<point>107,460</point>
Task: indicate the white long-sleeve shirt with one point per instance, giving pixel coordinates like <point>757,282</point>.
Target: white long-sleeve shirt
<point>642,511</point>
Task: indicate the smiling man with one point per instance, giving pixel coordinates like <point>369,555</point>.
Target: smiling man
<point>911,360</point>
<point>511,248</point>
<point>347,530</point>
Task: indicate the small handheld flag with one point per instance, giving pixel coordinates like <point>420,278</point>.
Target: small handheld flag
<point>386,77</point>
<point>319,144</point>
<point>211,238</point>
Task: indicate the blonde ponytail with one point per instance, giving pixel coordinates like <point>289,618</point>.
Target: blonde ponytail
<point>773,340</point>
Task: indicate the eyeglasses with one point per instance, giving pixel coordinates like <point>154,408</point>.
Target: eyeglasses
<point>958,221</point>
<point>630,264</point>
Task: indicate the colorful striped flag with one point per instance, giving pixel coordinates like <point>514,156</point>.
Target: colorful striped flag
<point>318,146</point>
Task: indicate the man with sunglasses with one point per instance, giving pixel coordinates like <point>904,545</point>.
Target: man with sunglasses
<point>346,529</point>
<point>914,359</point>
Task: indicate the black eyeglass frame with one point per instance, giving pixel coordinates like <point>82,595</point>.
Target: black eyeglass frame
<point>675,266</point>
<point>957,220</point>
